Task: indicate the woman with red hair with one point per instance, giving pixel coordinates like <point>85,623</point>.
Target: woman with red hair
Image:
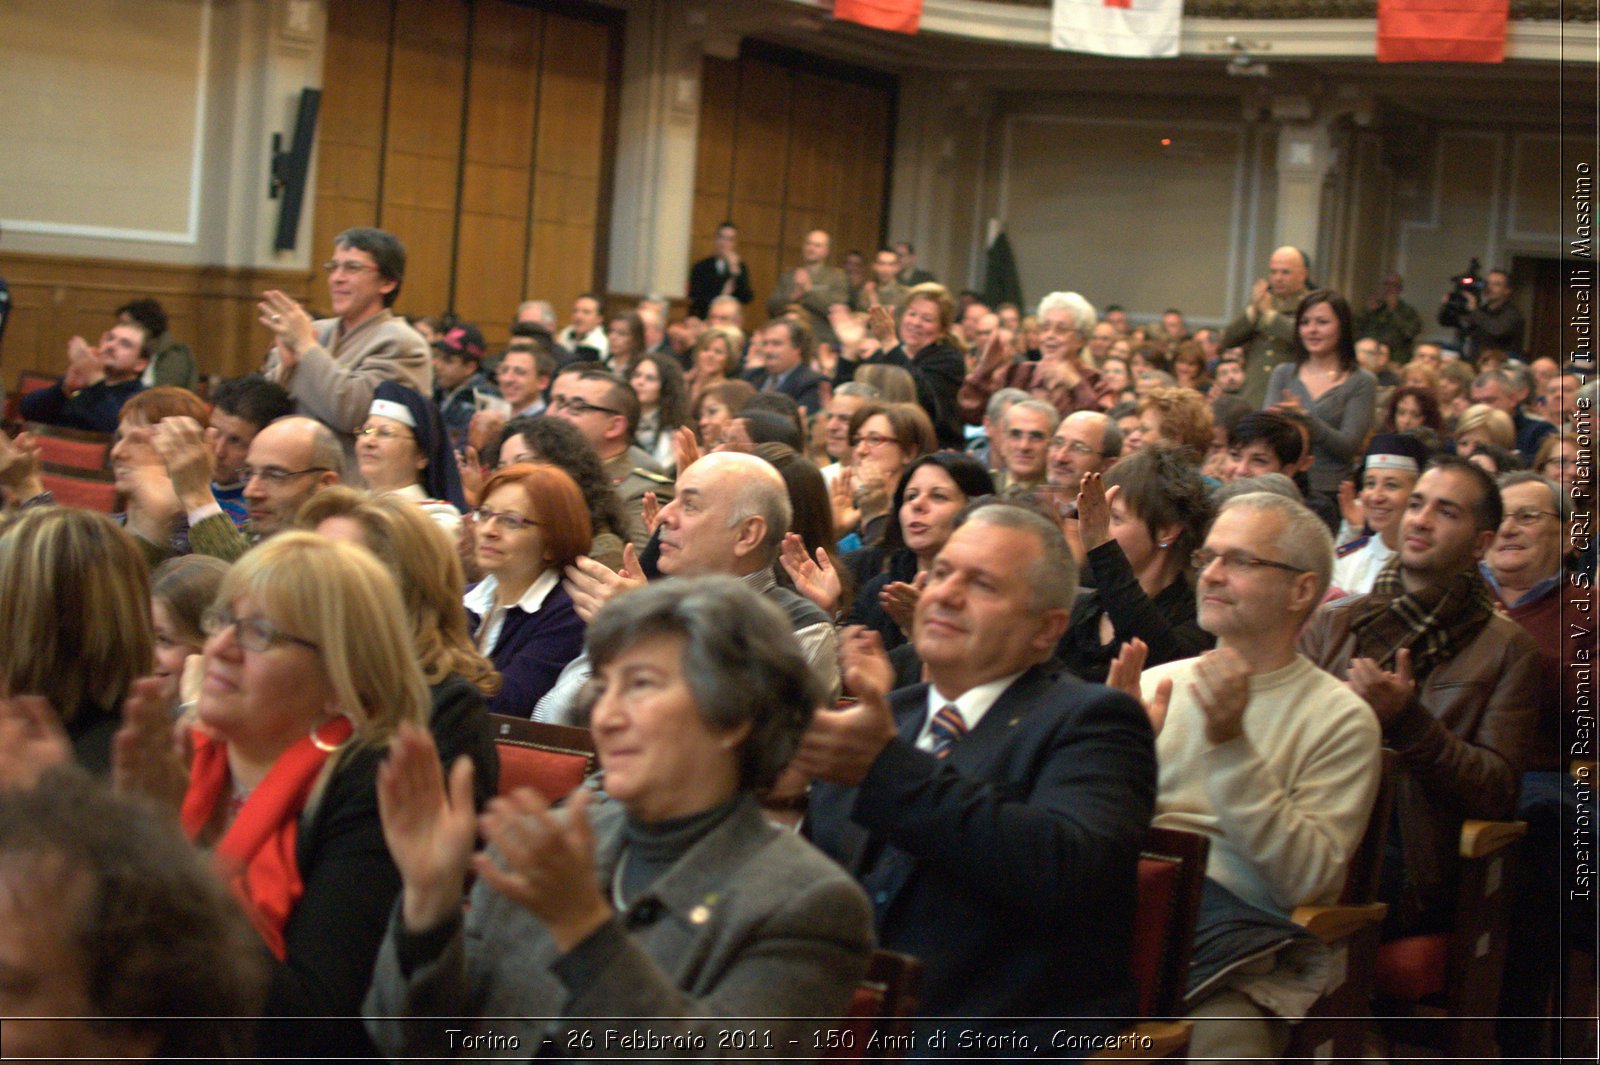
<point>532,524</point>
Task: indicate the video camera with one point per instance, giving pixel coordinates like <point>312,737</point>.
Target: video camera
<point>1454,312</point>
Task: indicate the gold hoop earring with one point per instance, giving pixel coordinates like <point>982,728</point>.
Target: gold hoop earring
<point>333,748</point>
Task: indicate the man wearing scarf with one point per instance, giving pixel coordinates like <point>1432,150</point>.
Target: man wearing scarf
<point>1449,680</point>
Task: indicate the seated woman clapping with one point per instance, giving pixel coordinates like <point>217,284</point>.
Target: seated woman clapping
<point>1140,522</point>
<point>309,669</point>
<point>74,621</point>
<point>672,903</point>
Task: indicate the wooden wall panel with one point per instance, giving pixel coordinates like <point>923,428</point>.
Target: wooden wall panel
<point>569,160</point>
<point>496,178</point>
<point>786,148</point>
<point>761,160</point>
<point>713,178</point>
<point>212,309</point>
<point>485,145</point>
<point>422,150</point>
<point>350,121</point>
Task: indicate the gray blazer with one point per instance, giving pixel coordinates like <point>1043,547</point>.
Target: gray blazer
<point>753,922</point>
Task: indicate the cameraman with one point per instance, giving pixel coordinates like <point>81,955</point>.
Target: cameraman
<point>1491,321</point>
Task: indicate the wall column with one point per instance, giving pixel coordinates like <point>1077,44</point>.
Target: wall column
<point>658,130</point>
<point>941,147</point>
<point>1304,155</point>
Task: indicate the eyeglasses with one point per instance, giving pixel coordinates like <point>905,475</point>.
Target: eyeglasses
<point>385,432</point>
<point>511,520</point>
<point>1238,561</point>
<point>872,440</point>
<point>1530,517</point>
<point>1078,447</point>
<point>253,634</point>
<point>275,475</point>
<point>578,406</point>
<point>356,269</point>
<point>1032,436</point>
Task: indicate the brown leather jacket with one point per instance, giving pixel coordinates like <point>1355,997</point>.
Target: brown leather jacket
<point>1460,745</point>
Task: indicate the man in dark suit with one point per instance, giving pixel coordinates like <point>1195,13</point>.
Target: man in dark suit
<point>786,347</point>
<point>995,815</point>
<point>722,273</point>
<point>909,274</point>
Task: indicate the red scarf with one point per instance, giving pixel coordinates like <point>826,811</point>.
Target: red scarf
<point>256,854</point>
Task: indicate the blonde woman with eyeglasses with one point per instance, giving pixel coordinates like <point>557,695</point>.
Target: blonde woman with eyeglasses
<point>309,669</point>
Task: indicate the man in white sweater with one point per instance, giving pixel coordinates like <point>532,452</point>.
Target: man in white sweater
<point>1271,758</point>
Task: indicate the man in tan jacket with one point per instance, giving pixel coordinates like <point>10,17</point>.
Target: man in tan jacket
<point>332,366</point>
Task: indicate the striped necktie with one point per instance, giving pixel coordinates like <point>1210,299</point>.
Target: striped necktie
<point>947,727</point>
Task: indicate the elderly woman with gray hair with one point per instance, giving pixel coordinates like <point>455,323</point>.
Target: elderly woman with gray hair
<point>1056,371</point>
<point>671,901</point>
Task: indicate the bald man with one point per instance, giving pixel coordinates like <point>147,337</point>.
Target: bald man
<point>813,286</point>
<point>290,460</point>
<point>1266,327</point>
<point>728,518</point>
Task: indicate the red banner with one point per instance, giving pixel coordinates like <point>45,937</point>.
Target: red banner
<point>897,16</point>
<point>1442,31</point>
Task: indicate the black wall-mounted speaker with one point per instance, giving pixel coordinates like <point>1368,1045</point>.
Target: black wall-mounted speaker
<point>289,169</point>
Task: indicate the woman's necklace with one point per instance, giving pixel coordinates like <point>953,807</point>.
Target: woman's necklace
<point>236,800</point>
<point>617,901</point>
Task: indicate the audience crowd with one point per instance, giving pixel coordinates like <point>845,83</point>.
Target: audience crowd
<point>896,620</point>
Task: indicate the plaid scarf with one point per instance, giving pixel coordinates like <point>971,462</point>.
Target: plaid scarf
<point>1434,623</point>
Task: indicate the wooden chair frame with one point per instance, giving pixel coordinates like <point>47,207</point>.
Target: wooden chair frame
<point>1461,1022</point>
<point>1335,1027</point>
<point>547,737</point>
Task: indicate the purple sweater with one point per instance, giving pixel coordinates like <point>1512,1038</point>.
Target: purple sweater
<point>532,650</point>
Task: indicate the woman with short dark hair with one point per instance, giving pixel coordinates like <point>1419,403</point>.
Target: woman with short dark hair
<point>533,523</point>
<point>931,492</point>
<point>672,901</point>
<point>543,438</point>
<point>1139,522</point>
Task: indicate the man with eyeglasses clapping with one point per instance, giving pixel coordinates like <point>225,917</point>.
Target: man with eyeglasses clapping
<point>289,461</point>
<point>1272,759</point>
<point>332,366</point>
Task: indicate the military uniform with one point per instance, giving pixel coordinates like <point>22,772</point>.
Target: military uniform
<point>1267,340</point>
<point>633,473</point>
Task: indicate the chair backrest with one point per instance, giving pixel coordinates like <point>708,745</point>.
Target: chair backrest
<point>88,489</point>
<point>1361,882</point>
<point>33,380</point>
<point>874,1029</point>
<point>71,447</point>
<point>552,759</point>
<point>1172,872</point>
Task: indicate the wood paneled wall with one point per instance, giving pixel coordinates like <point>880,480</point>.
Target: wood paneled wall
<point>212,308</point>
<point>785,147</point>
<point>486,146</point>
